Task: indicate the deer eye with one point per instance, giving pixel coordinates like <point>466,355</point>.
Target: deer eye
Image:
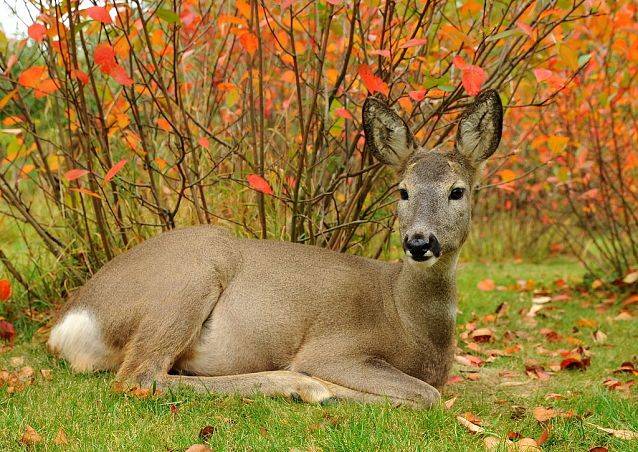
<point>403,193</point>
<point>457,193</point>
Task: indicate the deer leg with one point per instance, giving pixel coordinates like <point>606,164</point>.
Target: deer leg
<point>160,339</point>
<point>374,380</point>
<point>273,383</point>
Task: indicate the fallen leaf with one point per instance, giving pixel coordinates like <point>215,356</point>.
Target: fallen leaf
<point>47,374</point>
<point>30,436</point>
<point>587,323</point>
<point>482,335</point>
<point>61,438</point>
<point>473,428</point>
<point>543,438</point>
<point>599,337</point>
<point>624,315</point>
<point>527,444</point>
<point>622,434</point>
<point>598,449</point>
<point>627,367</point>
<point>542,414</point>
<point>449,403</point>
<point>630,278</point>
<point>541,300</point>
<point>7,331</point>
<point>206,432</point>
<point>199,448</point>
<point>487,285</point>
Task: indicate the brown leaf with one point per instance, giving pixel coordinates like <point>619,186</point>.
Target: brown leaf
<point>599,337</point>
<point>543,438</point>
<point>199,448</point>
<point>47,374</point>
<point>472,428</point>
<point>627,367</point>
<point>622,434</point>
<point>61,438</point>
<point>449,403</point>
<point>30,436</point>
<point>482,335</point>
<point>487,285</point>
<point>206,432</point>
<point>473,418</point>
<point>544,414</point>
<point>527,444</point>
<point>536,371</point>
<point>598,449</point>
<point>587,323</point>
<point>624,315</point>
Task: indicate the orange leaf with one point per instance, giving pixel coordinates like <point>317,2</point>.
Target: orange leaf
<point>114,170</point>
<point>418,95</point>
<point>343,113</point>
<point>100,13</point>
<point>5,289</point>
<point>37,32</point>
<point>249,42</point>
<point>486,285</point>
<point>163,124</point>
<point>31,77</point>
<point>86,192</point>
<point>260,184</point>
<point>203,142</point>
<point>542,74</point>
<point>413,43</point>
<point>75,174</point>
<point>372,83</point>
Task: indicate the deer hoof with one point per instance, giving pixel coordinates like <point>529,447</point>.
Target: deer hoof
<point>310,390</point>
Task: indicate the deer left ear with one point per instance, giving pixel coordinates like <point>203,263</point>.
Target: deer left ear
<point>480,128</point>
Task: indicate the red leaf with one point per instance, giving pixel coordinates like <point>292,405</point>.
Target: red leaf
<point>80,76</point>
<point>417,95</point>
<point>473,78</point>
<point>114,170</point>
<point>372,83</point>
<point>542,74</point>
<point>459,62</point>
<point>100,13</point>
<point>31,77</point>
<point>5,289</point>
<point>120,75</point>
<point>413,43</point>
<point>75,174</point>
<point>384,53</point>
<point>249,42</point>
<point>37,32</point>
<point>104,57</point>
<point>203,142</point>
<point>343,113</point>
<point>7,331</point>
<point>259,183</point>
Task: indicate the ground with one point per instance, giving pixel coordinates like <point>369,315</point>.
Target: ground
<point>504,394</point>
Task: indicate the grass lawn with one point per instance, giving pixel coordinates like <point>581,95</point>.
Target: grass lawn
<point>499,392</point>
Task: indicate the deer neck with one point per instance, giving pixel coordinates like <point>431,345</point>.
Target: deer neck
<point>425,300</point>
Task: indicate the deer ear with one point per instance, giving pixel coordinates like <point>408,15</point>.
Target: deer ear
<point>480,127</point>
<point>387,135</point>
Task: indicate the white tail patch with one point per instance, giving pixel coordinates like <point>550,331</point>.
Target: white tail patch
<point>77,339</point>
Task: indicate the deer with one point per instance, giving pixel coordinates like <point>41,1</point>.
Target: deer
<point>201,308</point>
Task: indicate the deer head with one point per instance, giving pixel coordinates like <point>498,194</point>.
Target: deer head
<point>436,186</point>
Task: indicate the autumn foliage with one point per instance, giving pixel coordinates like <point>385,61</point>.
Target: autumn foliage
<point>126,119</point>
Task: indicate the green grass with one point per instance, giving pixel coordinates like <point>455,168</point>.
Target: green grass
<point>95,417</point>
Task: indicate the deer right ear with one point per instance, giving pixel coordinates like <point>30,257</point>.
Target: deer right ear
<point>387,135</point>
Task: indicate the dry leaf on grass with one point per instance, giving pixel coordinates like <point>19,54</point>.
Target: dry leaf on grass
<point>472,428</point>
<point>542,414</point>
<point>448,403</point>
<point>622,434</point>
<point>30,436</point>
<point>199,448</point>
<point>61,438</point>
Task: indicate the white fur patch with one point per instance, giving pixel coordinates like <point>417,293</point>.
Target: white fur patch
<point>77,339</point>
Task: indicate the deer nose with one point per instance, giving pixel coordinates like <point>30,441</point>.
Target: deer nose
<point>418,246</point>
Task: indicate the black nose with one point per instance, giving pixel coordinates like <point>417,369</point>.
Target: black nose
<point>417,245</point>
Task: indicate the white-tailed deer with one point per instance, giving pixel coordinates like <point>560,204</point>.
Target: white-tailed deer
<point>202,308</point>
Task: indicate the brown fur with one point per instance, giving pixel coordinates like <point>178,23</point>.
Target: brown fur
<point>240,315</point>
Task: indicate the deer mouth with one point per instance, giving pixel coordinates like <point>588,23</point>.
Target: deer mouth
<point>420,257</point>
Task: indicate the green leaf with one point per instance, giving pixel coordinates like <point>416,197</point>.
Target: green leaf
<point>167,15</point>
<point>447,88</point>
<point>504,34</point>
<point>583,59</point>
